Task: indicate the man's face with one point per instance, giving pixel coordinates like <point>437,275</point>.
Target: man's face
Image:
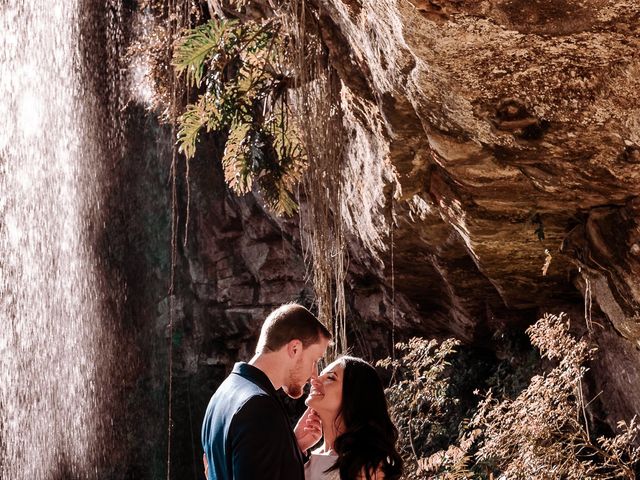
<point>305,367</point>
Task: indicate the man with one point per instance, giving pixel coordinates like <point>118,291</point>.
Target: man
<point>245,432</point>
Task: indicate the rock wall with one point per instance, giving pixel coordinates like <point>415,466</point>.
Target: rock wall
<point>234,263</point>
<point>510,133</point>
<point>492,162</point>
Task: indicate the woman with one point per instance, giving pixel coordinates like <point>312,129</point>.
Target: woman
<point>359,436</point>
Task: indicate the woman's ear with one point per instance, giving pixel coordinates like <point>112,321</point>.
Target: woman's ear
<point>294,348</point>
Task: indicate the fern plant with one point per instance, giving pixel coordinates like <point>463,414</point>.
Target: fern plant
<point>419,398</point>
<point>541,432</point>
<point>240,68</point>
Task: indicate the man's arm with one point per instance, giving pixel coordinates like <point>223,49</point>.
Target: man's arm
<point>260,441</point>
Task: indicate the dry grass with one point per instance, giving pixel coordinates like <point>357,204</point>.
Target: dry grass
<point>542,433</point>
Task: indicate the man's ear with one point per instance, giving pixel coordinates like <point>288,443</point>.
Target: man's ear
<point>294,348</point>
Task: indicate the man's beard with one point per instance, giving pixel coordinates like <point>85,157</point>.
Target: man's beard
<point>295,384</point>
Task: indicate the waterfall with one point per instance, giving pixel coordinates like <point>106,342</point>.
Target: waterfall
<point>55,345</point>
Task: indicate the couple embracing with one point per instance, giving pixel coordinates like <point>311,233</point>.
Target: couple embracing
<point>246,433</point>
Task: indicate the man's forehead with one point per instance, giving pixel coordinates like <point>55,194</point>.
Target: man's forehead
<point>318,349</point>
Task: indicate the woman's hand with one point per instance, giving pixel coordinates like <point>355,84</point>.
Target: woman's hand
<point>308,430</point>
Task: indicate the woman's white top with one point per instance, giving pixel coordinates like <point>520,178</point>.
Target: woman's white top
<point>315,468</point>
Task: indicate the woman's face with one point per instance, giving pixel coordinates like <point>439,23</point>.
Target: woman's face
<point>326,390</point>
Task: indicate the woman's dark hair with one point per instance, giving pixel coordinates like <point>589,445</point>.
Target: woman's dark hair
<point>369,440</point>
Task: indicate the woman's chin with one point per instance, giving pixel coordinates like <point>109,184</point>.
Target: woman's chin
<point>312,401</point>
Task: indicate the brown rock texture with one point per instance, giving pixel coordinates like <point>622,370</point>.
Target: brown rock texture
<point>503,138</point>
<point>492,169</point>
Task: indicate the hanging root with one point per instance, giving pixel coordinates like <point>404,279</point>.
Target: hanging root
<point>316,107</point>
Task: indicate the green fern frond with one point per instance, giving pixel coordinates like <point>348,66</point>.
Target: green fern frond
<point>199,115</point>
<point>277,185</point>
<point>277,190</point>
<point>236,161</point>
<point>246,93</point>
<point>287,141</point>
<point>247,83</point>
<point>285,205</point>
<point>190,123</point>
<point>197,45</point>
<point>278,182</point>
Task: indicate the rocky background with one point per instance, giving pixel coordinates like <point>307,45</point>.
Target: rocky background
<point>512,132</point>
<point>493,162</point>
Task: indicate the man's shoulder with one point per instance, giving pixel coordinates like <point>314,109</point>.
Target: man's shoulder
<point>237,393</point>
<point>239,388</point>
<point>247,409</point>
<point>258,404</point>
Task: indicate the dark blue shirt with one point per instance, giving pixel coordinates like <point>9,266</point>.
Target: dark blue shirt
<point>246,433</point>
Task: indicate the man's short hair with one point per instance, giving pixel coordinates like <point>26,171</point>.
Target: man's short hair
<point>290,322</point>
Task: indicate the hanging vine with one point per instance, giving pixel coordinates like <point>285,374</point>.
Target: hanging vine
<point>317,108</point>
<point>268,85</point>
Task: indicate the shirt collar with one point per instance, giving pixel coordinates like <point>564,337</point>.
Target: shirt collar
<point>255,375</point>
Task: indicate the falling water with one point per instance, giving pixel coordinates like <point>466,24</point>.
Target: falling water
<point>53,340</point>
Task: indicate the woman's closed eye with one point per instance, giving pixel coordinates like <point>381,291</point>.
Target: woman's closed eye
<point>329,375</point>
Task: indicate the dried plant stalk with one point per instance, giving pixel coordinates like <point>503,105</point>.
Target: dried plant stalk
<point>316,106</point>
